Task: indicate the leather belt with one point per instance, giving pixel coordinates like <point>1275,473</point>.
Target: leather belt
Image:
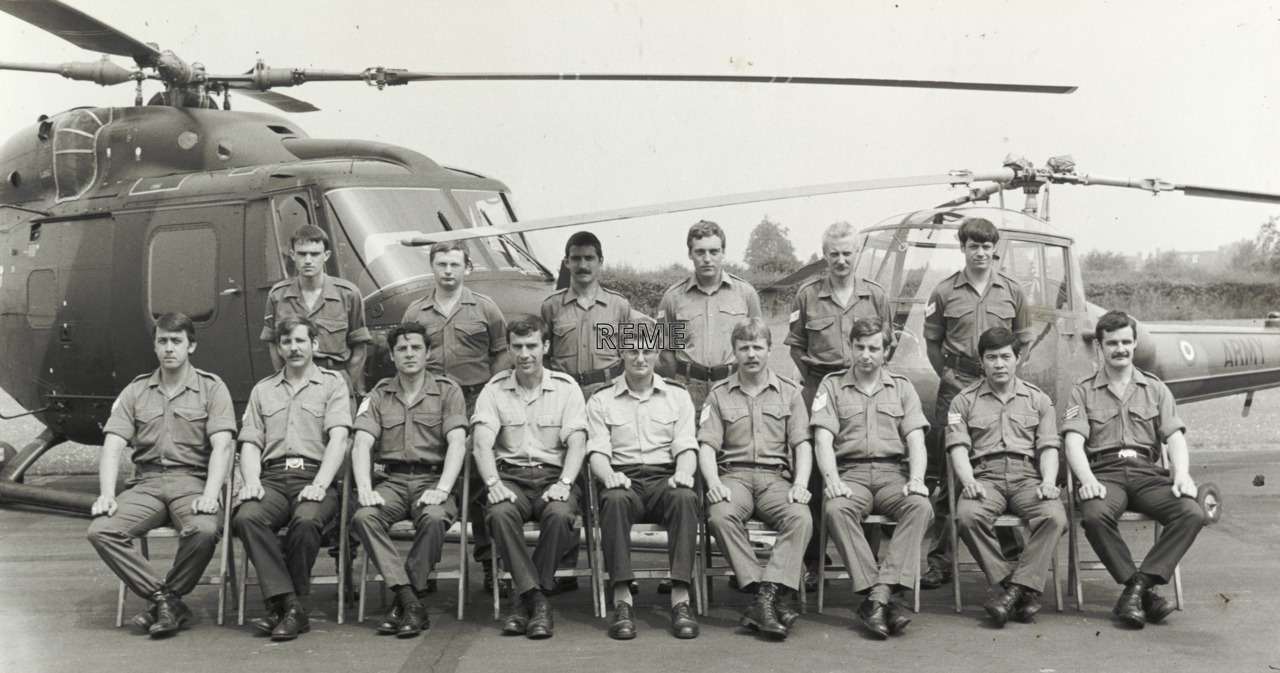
<point>328,363</point>
<point>412,469</point>
<point>992,457</point>
<point>157,468</point>
<point>866,461</point>
<point>504,466</point>
<point>598,376</point>
<point>758,467</point>
<point>963,364</point>
<point>697,372</point>
<point>817,372</point>
<point>293,463</point>
<point>1110,454</point>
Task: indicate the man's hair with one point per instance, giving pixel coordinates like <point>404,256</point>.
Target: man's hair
<point>996,338</point>
<point>449,246</point>
<point>526,325</point>
<point>978,230</point>
<point>751,329</point>
<point>1115,320</point>
<point>704,229</point>
<point>175,322</point>
<point>308,233</point>
<point>835,232</point>
<point>285,326</point>
<point>402,330</point>
<point>865,327</point>
<point>582,239</point>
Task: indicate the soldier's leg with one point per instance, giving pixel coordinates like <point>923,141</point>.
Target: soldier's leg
<point>1101,518</point>
<point>812,554</point>
<point>619,509</point>
<point>1047,520</point>
<point>139,510</point>
<point>913,513</point>
<point>506,522</point>
<point>198,534</point>
<point>1183,518</point>
<point>307,523</point>
<point>678,509</point>
<point>430,522</point>
<point>976,519</point>
<point>940,550</point>
<point>794,525</point>
<point>727,520</point>
<point>255,523</point>
<point>843,518</point>
<point>372,525</point>
<point>556,532</point>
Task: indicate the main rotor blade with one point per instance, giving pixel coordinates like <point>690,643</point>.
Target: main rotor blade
<point>394,77</point>
<point>1156,185</point>
<point>956,178</point>
<point>102,72</point>
<point>1233,194</point>
<point>278,100</point>
<point>79,29</point>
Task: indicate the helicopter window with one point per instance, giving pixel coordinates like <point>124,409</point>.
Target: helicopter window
<point>487,209</point>
<point>75,160</point>
<point>1041,269</point>
<point>179,278</point>
<point>289,212</point>
<point>42,296</point>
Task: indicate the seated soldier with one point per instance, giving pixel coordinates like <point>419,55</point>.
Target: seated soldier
<point>1003,440</point>
<point>868,431</point>
<point>418,422</point>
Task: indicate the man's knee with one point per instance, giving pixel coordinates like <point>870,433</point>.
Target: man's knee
<point>366,518</point>
<point>683,499</point>
<point>969,518</point>
<point>916,509</point>
<point>1096,512</point>
<point>503,514</point>
<point>248,516</point>
<point>204,530</point>
<point>837,509</point>
<point>306,524</point>
<point>613,499</point>
<point>796,517</point>
<point>1188,513</point>
<point>432,516</point>
<point>102,531</point>
<point>721,516</point>
<point>558,514</point>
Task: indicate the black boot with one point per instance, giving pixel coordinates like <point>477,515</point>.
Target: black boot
<point>1129,607</point>
<point>623,626</point>
<point>875,617</point>
<point>267,623</point>
<point>1000,607</point>
<point>541,623</point>
<point>898,620</point>
<point>391,621</point>
<point>1155,606</point>
<point>762,616</point>
<point>1028,607</point>
<point>415,621</point>
<point>292,622</point>
<point>171,614</point>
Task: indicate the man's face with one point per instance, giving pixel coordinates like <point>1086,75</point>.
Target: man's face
<point>297,346</point>
<point>172,349</point>
<point>449,267</point>
<point>410,353</point>
<point>839,255</point>
<point>639,362</point>
<point>978,256</point>
<point>584,264</point>
<point>707,255</point>
<point>1118,347</point>
<point>998,364</point>
<point>527,351</point>
<point>309,258</point>
<point>752,355</point>
<point>868,353</point>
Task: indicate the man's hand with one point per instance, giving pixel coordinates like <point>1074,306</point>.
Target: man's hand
<point>311,493</point>
<point>557,492</point>
<point>105,505</point>
<point>1092,489</point>
<point>370,498</point>
<point>1184,487</point>
<point>432,496</point>
<point>1048,491</point>
<point>974,491</point>
<point>499,492</point>
<point>205,505</point>
<point>717,492</point>
<point>798,494</point>
<point>252,491</point>
<point>915,487</point>
<point>838,489</point>
<point>681,480</point>
<point>617,480</point>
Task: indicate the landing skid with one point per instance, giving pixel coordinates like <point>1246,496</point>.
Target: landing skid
<point>13,471</point>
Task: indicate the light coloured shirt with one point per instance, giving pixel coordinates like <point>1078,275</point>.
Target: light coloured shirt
<point>532,427</point>
<point>649,428</point>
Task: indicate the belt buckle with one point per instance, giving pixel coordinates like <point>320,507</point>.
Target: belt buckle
<point>293,463</point>
<point>1128,453</point>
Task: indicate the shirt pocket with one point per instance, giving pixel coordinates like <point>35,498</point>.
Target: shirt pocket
<point>622,428</point>
<point>474,337</point>
<point>984,430</point>
<point>824,338</point>
<point>737,427</point>
<point>663,427</point>
<point>513,422</point>
<point>1023,426</point>
<point>149,426</point>
<point>565,344</point>
<point>549,430</point>
<point>188,427</point>
<point>853,421</point>
<point>777,418</point>
<point>889,421</point>
<point>960,321</point>
<point>1003,311</point>
<point>391,441</point>
<point>429,426</point>
<point>1144,420</point>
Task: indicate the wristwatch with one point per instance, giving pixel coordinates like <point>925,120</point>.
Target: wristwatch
<point>565,482</point>
<point>488,483</point>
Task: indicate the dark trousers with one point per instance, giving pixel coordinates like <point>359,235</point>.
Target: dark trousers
<point>281,571</point>
<point>506,523</point>
<point>373,524</point>
<point>651,499</point>
<point>1010,485</point>
<point>155,500</point>
<point>1142,486</point>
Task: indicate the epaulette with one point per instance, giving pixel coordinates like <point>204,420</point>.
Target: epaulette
<point>1032,386</point>
<point>1149,375</point>
<point>875,285</point>
<point>382,384</point>
<point>676,284</point>
<point>344,283</point>
<point>836,374</point>
<point>329,372</point>
<point>561,375</point>
<point>1087,377</point>
<point>501,375</point>
<point>807,283</point>
<point>555,294</point>
<point>441,379</point>
<point>717,384</point>
<point>139,377</point>
<point>971,387</point>
<point>894,375</point>
<point>739,279</point>
<point>673,382</point>
<point>483,297</point>
<point>207,375</point>
<point>280,284</point>
<point>788,381</point>
<point>611,291</point>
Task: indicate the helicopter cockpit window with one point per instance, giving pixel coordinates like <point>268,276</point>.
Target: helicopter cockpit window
<point>909,263</point>
<point>289,211</point>
<point>177,279</point>
<point>487,209</point>
<point>1041,269</point>
<point>75,158</point>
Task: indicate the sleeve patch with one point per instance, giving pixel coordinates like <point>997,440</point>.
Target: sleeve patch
<point>795,315</point>
<point>706,414</point>
<point>364,407</point>
<point>930,309</point>
<point>954,419</point>
<point>819,402</point>
<point>1073,411</point>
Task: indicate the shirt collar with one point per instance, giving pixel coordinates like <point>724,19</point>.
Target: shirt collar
<point>465,296</point>
<point>191,381</point>
<point>314,376</point>
<point>329,289</point>
<point>429,386</point>
<point>826,289</point>
<point>735,381</point>
<point>620,386</point>
<point>1100,379</point>
<point>725,281</point>
<point>510,383</point>
<point>571,296</point>
<point>1019,388</point>
<point>848,380</point>
<point>963,279</point>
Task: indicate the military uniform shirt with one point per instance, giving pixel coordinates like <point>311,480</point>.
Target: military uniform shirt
<point>575,331</point>
<point>760,430</point>
<point>820,326</point>
<point>293,423</point>
<point>708,319</point>
<point>412,433</point>
<point>865,425</point>
<point>338,315</point>
<point>956,315</point>
<point>172,431</point>
<point>531,429</point>
<point>1145,417</point>
<point>980,422</point>
<point>464,343</point>
<point>630,429</point>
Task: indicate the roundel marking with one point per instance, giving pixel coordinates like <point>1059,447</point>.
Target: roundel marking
<point>1188,352</point>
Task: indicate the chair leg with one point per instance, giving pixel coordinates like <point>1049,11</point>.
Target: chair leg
<point>120,606</point>
<point>822,565</point>
<point>363,586</point>
<point>493,566</point>
<point>244,583</point>
<point>915,589</point>
<point>1057,586</point>
<point>1177,585</point>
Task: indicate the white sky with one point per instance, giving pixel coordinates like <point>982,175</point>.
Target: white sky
<point>1186,91</point>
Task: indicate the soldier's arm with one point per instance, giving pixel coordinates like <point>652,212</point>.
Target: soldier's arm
<point>108,469</point>
<point>362,466</point>
<point>667,358</point>
<point>935,330</point>
<point>934,350</point>
<point>220,459</point>
<point>355,368</point>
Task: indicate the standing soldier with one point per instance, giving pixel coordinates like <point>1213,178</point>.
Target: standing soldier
<point>1002,435</point>
<point>419,424</point>
<point>332,304</point>
<point>962,307</point>
<point>708,304</point>
<point>529,443</point>
<point>868,432</point>
<point>293,442</point>
<point>181,425</point>
<point>755,457</point>
<point>1114,427</point>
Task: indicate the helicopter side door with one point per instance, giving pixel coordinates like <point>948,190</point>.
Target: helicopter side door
<point>269,223</point>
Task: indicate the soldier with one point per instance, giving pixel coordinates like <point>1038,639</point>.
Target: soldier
<point>1003,439</point>
<point>332,304</point>
<point>293,442</point>
<point>419,423</point>
<point>643,449</point>
<point>467,339</point>
<point>961,307</point>
<point>529,443</point>
<point>181,425</point>
<point>868,432</point>
<point>755,456</point>
<point>708,304</point>
<point>1114,426</point>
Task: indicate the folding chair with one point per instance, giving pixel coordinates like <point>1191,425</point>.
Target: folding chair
<point>405,528</point>
<point>226,560</point>
<point>1075,565</point>
<point>1012,521</point>
<point>842,573</point>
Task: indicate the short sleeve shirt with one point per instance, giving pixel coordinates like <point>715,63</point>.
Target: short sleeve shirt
<point>1146,417</point>
<point>532,428</point>
<point>577,345</point>
<point>985,425</point>
<point>172,431</point>
<point>651,428</point>
<point>412,434</point>
<point>288,422</point>
<point>464,343</point>
<point>819,325</point>
<point>957,315</point>
<point>708,319</point>
<point>338,315</point>
<point>867,425</point>
<point>760,430</point>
